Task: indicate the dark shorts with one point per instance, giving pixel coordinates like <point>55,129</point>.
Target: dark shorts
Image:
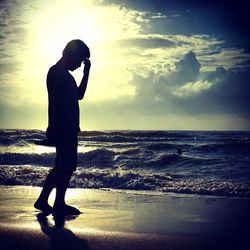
<point>66,155</point>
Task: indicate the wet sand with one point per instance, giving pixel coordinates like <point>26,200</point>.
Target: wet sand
<point>124,220</point>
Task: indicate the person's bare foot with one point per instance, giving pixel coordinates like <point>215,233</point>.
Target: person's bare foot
<point>65,210</point>
<point>43,206</point>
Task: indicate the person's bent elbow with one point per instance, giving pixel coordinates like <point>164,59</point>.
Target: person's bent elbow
<point>80,96</point>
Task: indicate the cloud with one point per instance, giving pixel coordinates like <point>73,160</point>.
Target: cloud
<point>192,88</point>
<point>14,21</point>
<point>219,44</point>
<point>209,51</point>
<point>185,90</point>
<point>151,59</point>
<point>149,42</point>
<point>8,68</point>
<point>230,91</point>
<point>187,69</point>
<point>158,84</point>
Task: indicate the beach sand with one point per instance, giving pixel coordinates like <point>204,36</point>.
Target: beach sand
<point>125,220</point>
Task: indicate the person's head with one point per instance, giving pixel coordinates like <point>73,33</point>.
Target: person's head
<point>75,52</point>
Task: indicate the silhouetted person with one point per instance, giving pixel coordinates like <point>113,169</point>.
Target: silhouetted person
<point>63,95</point>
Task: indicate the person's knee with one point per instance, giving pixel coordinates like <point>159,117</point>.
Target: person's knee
<point>63,178</point>
<point>64,172</point>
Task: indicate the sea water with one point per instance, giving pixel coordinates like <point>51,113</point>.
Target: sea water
<point>187,162</point>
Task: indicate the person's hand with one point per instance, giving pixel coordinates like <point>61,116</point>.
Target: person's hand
<point>87,65</point>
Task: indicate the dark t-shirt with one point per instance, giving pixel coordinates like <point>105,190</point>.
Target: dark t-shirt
<point>63,104</point>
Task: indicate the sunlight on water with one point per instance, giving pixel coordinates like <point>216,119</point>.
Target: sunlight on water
<point>29,149</point>
<point>37,149</point>
<point>42,149</point>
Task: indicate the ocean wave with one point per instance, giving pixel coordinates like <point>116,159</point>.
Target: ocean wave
<point>132,158</point>
<point>131,151</point>
<point>136,134</point>
<point>165,160</point>
<point>129,180</point>
<point>174,160</point>
<point>24,158</point>
<point>161,146</point>
<point>214,163</point>
<point>19,137</point>
<point>98,158</point>
<point>237,146</point>
<point>218,188</point>
<point>22,175</point>
<point>132,136</point>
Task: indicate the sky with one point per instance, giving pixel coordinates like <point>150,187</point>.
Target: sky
<point>156,65</point>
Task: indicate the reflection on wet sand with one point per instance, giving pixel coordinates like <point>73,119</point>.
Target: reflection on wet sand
<point>59,236</point>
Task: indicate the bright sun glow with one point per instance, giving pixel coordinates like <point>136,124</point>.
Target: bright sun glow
<point>100,27</point>
<point>63,21</point>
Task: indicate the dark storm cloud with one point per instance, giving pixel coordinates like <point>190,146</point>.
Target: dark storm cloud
<point>228,90</point>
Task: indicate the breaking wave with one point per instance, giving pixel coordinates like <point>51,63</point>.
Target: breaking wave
<point>121,179</point>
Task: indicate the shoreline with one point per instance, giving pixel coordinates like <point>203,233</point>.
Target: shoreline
<point>126,220</point>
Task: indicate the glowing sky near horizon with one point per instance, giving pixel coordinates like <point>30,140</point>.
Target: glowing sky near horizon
<point>154,66</point>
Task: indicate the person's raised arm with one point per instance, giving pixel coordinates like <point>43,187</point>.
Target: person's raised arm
<point>83,85</point>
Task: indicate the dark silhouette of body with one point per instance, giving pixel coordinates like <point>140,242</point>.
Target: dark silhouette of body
<point>63,95</point>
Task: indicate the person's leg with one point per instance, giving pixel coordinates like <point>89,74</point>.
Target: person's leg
<point>60,207</point>
<point>49,184</point>
<point>67,163</point>
<point>61,187</point>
